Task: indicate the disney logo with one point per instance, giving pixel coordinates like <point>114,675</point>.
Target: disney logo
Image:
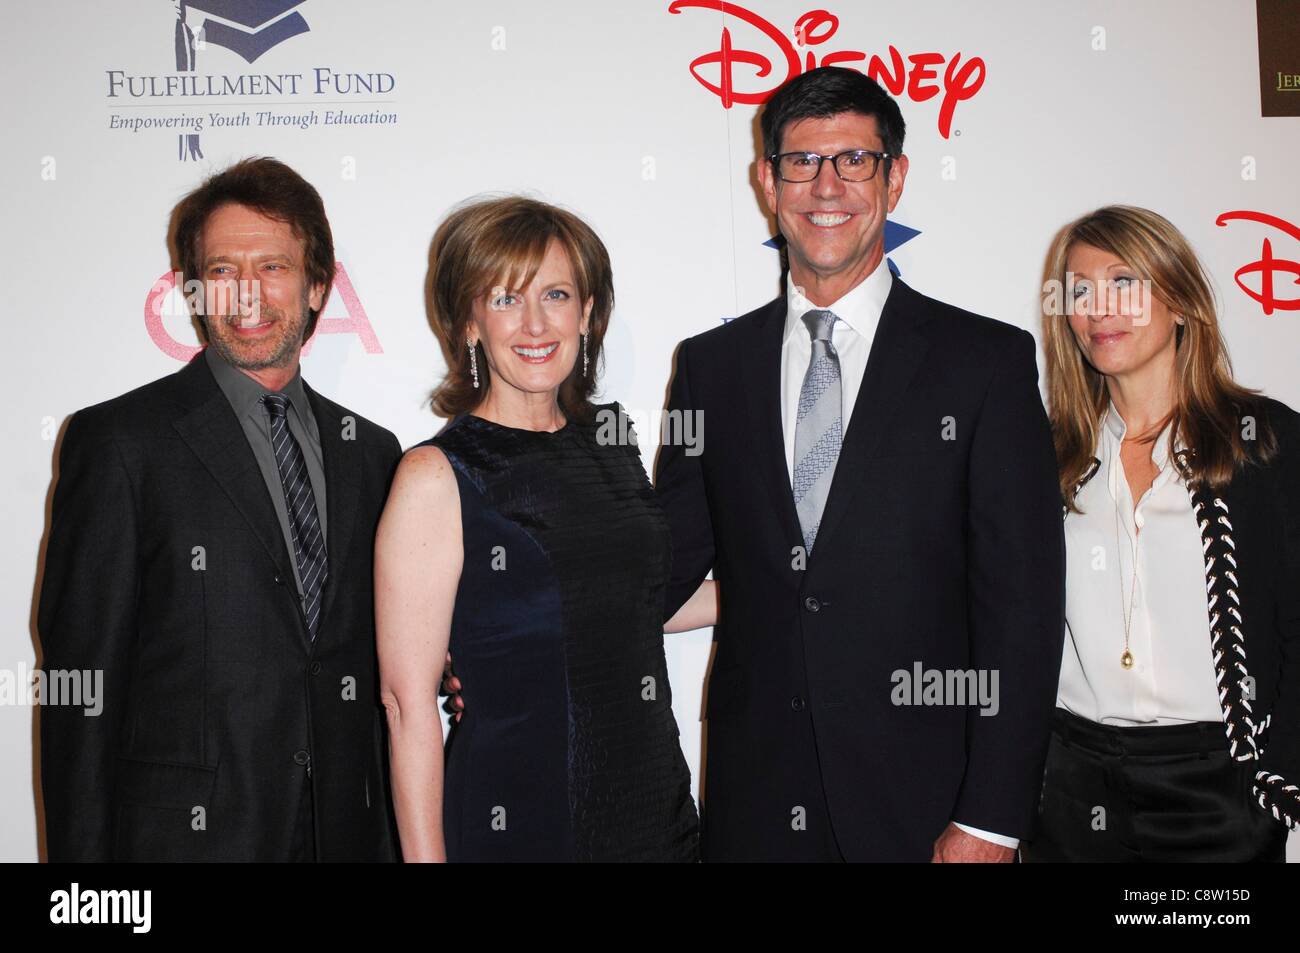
<point>1267,266</point>
<point>918,77</point>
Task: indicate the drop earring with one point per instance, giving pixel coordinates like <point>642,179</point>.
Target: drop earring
<point>585,362</point>
<point>473,362</point>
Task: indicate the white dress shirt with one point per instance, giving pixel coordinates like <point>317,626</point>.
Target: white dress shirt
<point>852,335</point>
<point>859,315</point>
<point>1172,680</point>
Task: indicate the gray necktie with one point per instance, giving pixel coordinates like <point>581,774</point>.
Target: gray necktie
<point>817,431</point>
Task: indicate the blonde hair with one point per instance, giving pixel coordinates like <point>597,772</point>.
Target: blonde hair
<point>1209,406</point>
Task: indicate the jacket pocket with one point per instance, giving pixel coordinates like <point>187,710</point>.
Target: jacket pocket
<point>164,811</point>
<point>164,784</point>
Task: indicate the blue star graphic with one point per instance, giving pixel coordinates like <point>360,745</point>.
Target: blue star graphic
<point>896,235</point>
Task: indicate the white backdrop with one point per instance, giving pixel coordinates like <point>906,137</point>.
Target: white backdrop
<point>592,105</point>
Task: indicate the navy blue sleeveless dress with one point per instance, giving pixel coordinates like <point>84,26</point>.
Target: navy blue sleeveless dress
<point>567,749</point>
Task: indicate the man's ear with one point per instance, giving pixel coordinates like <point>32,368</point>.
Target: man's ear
<point>767,179</point>
<point>897,173</point>
<point>316,298</point>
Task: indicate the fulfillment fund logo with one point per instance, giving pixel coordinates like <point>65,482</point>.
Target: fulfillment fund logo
<point>249,28</point>
<point>191,99</point>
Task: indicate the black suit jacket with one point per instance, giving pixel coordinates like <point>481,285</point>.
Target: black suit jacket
<point>167,570</point>
<point>944,552</point>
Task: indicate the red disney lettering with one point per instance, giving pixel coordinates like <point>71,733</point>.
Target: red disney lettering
<point>961,80</point>
<point>1267,266</point>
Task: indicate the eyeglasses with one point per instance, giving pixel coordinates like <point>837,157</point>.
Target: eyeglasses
<point>856,165</point>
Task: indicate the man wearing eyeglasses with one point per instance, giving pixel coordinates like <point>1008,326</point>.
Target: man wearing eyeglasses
<point>877,500</point>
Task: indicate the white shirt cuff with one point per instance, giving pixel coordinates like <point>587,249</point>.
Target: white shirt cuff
<point>999,839</point>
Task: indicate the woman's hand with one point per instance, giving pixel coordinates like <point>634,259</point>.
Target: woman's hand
<point>451,686</point>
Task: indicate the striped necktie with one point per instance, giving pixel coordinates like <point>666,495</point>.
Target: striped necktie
<point>304,522</point>
<point>817,431</point>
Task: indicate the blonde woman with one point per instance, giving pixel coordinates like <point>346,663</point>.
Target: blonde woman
<point>1177,730</point>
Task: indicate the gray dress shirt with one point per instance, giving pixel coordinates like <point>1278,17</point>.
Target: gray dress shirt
<point>244,395</point>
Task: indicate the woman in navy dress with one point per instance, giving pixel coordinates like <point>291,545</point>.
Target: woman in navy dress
<point>527,539</point>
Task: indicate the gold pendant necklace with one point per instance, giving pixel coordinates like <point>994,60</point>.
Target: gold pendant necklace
<point>1126,660</point>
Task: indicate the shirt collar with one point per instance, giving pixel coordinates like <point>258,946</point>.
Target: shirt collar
<point>1115,426</point>
<point>1115,423</point>
<point>859,308</point>
<point>245,394</point>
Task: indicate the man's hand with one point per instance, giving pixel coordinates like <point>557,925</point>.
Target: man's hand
<point>451,686</point>
<point>955,846</point>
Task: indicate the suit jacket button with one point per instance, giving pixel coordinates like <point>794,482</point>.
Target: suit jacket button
<point>797,703</point>
<point>301,757</point>
<point>279,580</point>
<point>811,604</point>
<point>315,668</point>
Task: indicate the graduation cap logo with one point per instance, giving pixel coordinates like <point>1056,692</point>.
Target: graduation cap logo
<point>247,28</point>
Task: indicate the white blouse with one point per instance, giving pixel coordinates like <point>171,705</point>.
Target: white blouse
<point>1172,680</point>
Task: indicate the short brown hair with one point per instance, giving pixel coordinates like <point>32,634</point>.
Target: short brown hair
<point>269,187</point>
<point>500,242</point>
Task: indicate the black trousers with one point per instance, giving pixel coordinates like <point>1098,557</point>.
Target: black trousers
<point>1165,793</point>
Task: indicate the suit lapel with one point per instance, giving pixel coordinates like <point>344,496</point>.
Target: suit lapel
<point>211,430</point>
<point>342,457</point>
<point>215,436</point>
<point>762,386</point>
<point>897,352</point>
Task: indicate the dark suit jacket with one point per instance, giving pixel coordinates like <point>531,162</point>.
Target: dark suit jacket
<point>167,570</point>
<point>944,552</point>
